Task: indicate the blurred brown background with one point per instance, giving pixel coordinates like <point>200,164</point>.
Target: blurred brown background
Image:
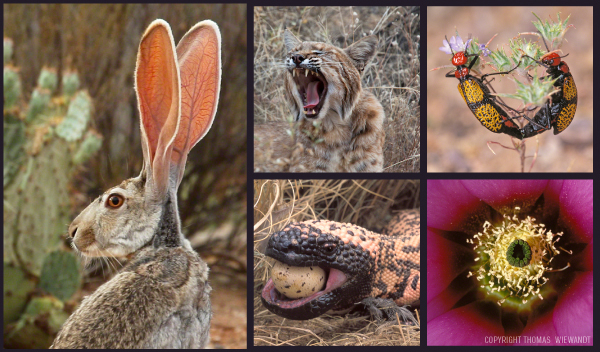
<point>100,42</point>
<point>456,141</point>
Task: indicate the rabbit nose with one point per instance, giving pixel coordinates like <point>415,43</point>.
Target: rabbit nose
<point>72,231</point>
<point>297,59</point>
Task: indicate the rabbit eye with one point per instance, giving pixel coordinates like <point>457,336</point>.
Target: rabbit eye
<point>114,201</point>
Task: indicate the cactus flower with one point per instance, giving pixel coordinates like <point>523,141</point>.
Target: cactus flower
<point>510,262</point>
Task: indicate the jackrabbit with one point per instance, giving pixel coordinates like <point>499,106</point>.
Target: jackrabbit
<point>161,298</point>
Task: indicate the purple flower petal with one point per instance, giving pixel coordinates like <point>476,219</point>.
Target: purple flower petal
<point>572,314</point>
<point>501,194</point>
<point>541,333</point>
<point>577,208</point>
<point>467,44</point>
<point>446,47</point>
<point>445,261</point>
<point>456,42</point>
<point>466,326</point>
<point>446,300</point>
<point>450,205</point>
<point>552,197</point>
<point>584,261</point>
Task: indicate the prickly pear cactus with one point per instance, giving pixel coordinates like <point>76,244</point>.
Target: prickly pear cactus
<point>60,274</point>
<point>72,126</point>
<point>46,139</point>
<point>8,50</point>
<point>12,87</point>
<point>70,83</point>
<point>38,324</point>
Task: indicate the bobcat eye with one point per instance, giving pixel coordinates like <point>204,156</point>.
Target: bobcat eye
<point>115,200</point>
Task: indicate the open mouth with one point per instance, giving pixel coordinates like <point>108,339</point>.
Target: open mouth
<point>312,87</point>
<point>335,279</point>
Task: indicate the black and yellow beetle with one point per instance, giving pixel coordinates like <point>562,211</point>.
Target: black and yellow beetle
<point>559,110</point>
<point>478,98</point>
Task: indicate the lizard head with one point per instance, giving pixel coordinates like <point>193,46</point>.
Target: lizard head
<point>345,252</point>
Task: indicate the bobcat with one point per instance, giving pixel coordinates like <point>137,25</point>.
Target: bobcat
<point>338,126</point>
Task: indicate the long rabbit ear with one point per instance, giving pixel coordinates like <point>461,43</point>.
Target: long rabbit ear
<point>158,92</point>
<point>199,55</point>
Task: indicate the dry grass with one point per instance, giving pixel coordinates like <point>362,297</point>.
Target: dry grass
<point>393,75</point>
<point>367,203</point>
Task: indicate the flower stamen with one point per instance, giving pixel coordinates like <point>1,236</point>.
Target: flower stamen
<point>513,257</point>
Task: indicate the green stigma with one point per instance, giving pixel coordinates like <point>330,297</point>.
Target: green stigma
<point>518,253</point>
<point>513,258</point>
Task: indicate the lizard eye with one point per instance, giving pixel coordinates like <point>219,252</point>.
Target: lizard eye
<point>329,248</point>
<point>115,201</point>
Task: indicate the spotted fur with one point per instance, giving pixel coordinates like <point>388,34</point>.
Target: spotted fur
<point>385,265</point>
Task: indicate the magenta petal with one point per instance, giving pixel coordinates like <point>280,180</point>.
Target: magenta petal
<point>443,302</point>
<point>584,261</point>
<point>541,332</point>
<point>552,198</point>
<point>577,208</point>
<point>449,204</point>
<point>445,260</point>
<point>574,311</point>
<point>465,326</point>
<point>505,193</point>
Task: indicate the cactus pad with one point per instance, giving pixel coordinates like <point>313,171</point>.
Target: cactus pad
<point>70,83</point>
<point>8,50</point>
<point>12,87</point>
<point>78,115</point>
<point>40,99</point>
<point>89,146</point>
<point>60,274</point>
<point>48,79</point>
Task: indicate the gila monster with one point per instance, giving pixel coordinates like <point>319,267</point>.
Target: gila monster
<point>359,264</point>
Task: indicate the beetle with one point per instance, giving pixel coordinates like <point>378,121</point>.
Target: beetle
<point>478,98</point>
<point>559,110</point>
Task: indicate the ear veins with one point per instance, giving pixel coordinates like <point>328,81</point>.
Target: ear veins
<point>157,88</point>
<point>199,55</point>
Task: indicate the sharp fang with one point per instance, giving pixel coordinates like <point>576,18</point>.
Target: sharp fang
<point>305,112</point>
<point>313,112</point>
<point>305,72</point>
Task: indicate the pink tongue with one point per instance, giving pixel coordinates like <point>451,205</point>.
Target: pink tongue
<point>312,94</point>
<point>336,279</point>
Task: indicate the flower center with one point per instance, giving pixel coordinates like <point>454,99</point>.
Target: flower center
<point>513,258</point>
<point>518,253</point>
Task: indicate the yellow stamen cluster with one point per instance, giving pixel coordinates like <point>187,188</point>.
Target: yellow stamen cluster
<point>495,271</point>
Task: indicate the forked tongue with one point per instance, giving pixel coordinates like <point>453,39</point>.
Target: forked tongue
<point>312,94</point>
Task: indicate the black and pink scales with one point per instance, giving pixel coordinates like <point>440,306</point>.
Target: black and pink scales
<point>359,264</point>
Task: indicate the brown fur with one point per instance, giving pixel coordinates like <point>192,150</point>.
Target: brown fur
<point>344,131</point>
<point>154,293</point>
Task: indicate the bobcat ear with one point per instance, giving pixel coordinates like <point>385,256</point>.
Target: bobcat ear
<point>290,40</point>
<point>362,51</point>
